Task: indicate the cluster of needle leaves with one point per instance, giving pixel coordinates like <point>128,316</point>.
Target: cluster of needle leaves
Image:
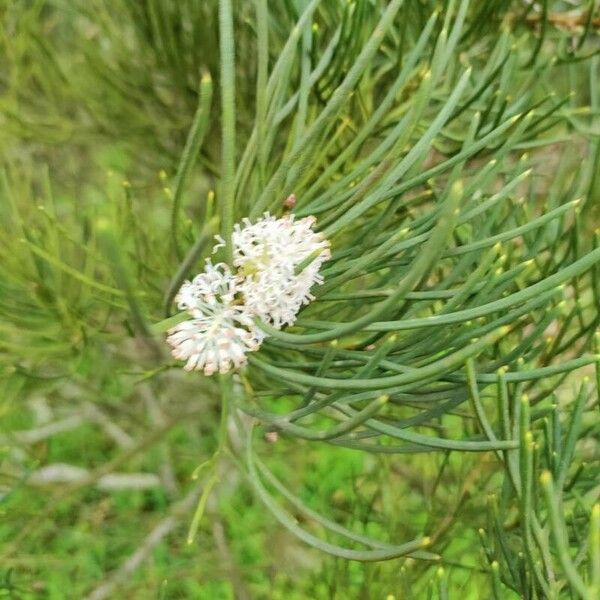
<point>450,152</point>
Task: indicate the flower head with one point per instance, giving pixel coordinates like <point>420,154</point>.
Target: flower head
<point>278,262</point>
<point>221,331</point>
<point>216,285</point>
<point>217,342</point>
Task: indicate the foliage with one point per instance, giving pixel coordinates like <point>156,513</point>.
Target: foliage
<point>450,153</point>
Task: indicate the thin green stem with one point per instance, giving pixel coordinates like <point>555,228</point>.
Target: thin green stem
<point>228,126</point>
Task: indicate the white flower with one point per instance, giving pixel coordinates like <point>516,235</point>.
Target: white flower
<point>217,342</point>
<point>277,262</point>
<point>216,285</point>
<point>221,331</point>
<point>268,255</point>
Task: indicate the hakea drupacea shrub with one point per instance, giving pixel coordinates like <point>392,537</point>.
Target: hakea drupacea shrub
<point>276,262</point>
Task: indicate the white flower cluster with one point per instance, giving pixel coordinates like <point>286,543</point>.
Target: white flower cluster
<point>276,261</point>
<point>220,331</point>
<point>269,256</point>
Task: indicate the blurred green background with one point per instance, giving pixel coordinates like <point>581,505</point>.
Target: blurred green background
<point>99,435</point>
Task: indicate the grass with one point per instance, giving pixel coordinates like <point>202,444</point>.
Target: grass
<point>270,562</point>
